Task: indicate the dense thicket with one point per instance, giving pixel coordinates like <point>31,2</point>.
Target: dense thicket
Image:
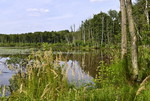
<point>141,12</point>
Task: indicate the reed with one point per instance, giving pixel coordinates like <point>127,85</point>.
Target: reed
<point>44,80</point>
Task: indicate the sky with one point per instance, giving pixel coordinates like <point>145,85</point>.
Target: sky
<point>22,16</point>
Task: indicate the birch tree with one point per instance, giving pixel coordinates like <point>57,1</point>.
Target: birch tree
<point>126,5</point>
<point>123,29</point>
<point>146,12</point>
<point>134,48</point>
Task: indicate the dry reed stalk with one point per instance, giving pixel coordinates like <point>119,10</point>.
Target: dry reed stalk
<point>20,90</point>
<point>45,91</point>
<point>56,75</point>
<point>4,91</point>
<point>142,85</point>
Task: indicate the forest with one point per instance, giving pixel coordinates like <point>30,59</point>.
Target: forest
<point>122,38</point>
<point>102,29</point>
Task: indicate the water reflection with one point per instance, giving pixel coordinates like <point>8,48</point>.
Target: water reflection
<point>80,67</point>
<point>5,73</point>
<point>75,74</point>
<point>88,61</point>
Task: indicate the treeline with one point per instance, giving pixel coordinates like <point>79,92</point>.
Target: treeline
<point>36,37</point>
<point>102,29</point>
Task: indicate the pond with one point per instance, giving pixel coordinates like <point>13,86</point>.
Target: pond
<point>80,66</point>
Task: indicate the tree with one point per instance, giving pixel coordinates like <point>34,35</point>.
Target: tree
<point>123,29</point>
<point>134,48</point>
<point>126,5</point>
<point>102,37</point>
<point>146,12</point>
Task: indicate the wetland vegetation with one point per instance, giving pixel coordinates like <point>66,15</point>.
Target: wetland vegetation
<point>98,62</point>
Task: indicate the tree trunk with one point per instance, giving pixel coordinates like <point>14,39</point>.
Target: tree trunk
<point>72,31</point>
<point>107,32</point>
<point>102,38</point>
<point>146,12</point>
<point>83,32</point>
<point>123,29</point>
<point>134,48</point>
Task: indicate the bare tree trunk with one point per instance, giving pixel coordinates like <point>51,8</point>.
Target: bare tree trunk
<point>66,37</point>
<point>134,48</point>
<point>102,38</point>
<point>83,33</point>
<point>74,27</point>
<point>107,32</point>
<point>72,31</point>
<point>146,12</point>
<point>123,29</point>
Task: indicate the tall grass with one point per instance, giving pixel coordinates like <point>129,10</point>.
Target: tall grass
<point>45,81</point>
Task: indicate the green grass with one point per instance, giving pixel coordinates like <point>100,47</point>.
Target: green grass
<point>44,81</point>
<point>11,51</point>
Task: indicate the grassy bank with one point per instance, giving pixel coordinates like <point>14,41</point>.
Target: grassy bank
<point>56,46</point>
<point>44,80</point>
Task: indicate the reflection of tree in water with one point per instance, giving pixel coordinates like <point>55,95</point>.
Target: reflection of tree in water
<point>75,74</point>
<point>89,61</point>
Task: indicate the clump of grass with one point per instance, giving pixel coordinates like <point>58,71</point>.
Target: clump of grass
<point>112,82</point>
<point>42,80</point>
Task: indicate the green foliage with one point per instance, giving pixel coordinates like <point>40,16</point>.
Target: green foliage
<point>36,37</point>
<point>113,83</point>
<point>144,61</point>
<point>45,81</point>
<point>101,28</point>
<point>145,94</point>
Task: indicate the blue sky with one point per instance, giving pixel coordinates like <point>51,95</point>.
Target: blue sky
<point>20,16</point>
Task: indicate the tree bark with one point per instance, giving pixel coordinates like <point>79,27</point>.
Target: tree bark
<point>146,12</point>
<point>134,48</point>
<point>123,29</point>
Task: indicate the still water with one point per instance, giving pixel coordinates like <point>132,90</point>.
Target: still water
<point>5,73</point>
<point>80,67</point>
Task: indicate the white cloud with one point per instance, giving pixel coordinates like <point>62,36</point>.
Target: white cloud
<point>60,17</point>
<point>96,0</point>
<point>41,10</point>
